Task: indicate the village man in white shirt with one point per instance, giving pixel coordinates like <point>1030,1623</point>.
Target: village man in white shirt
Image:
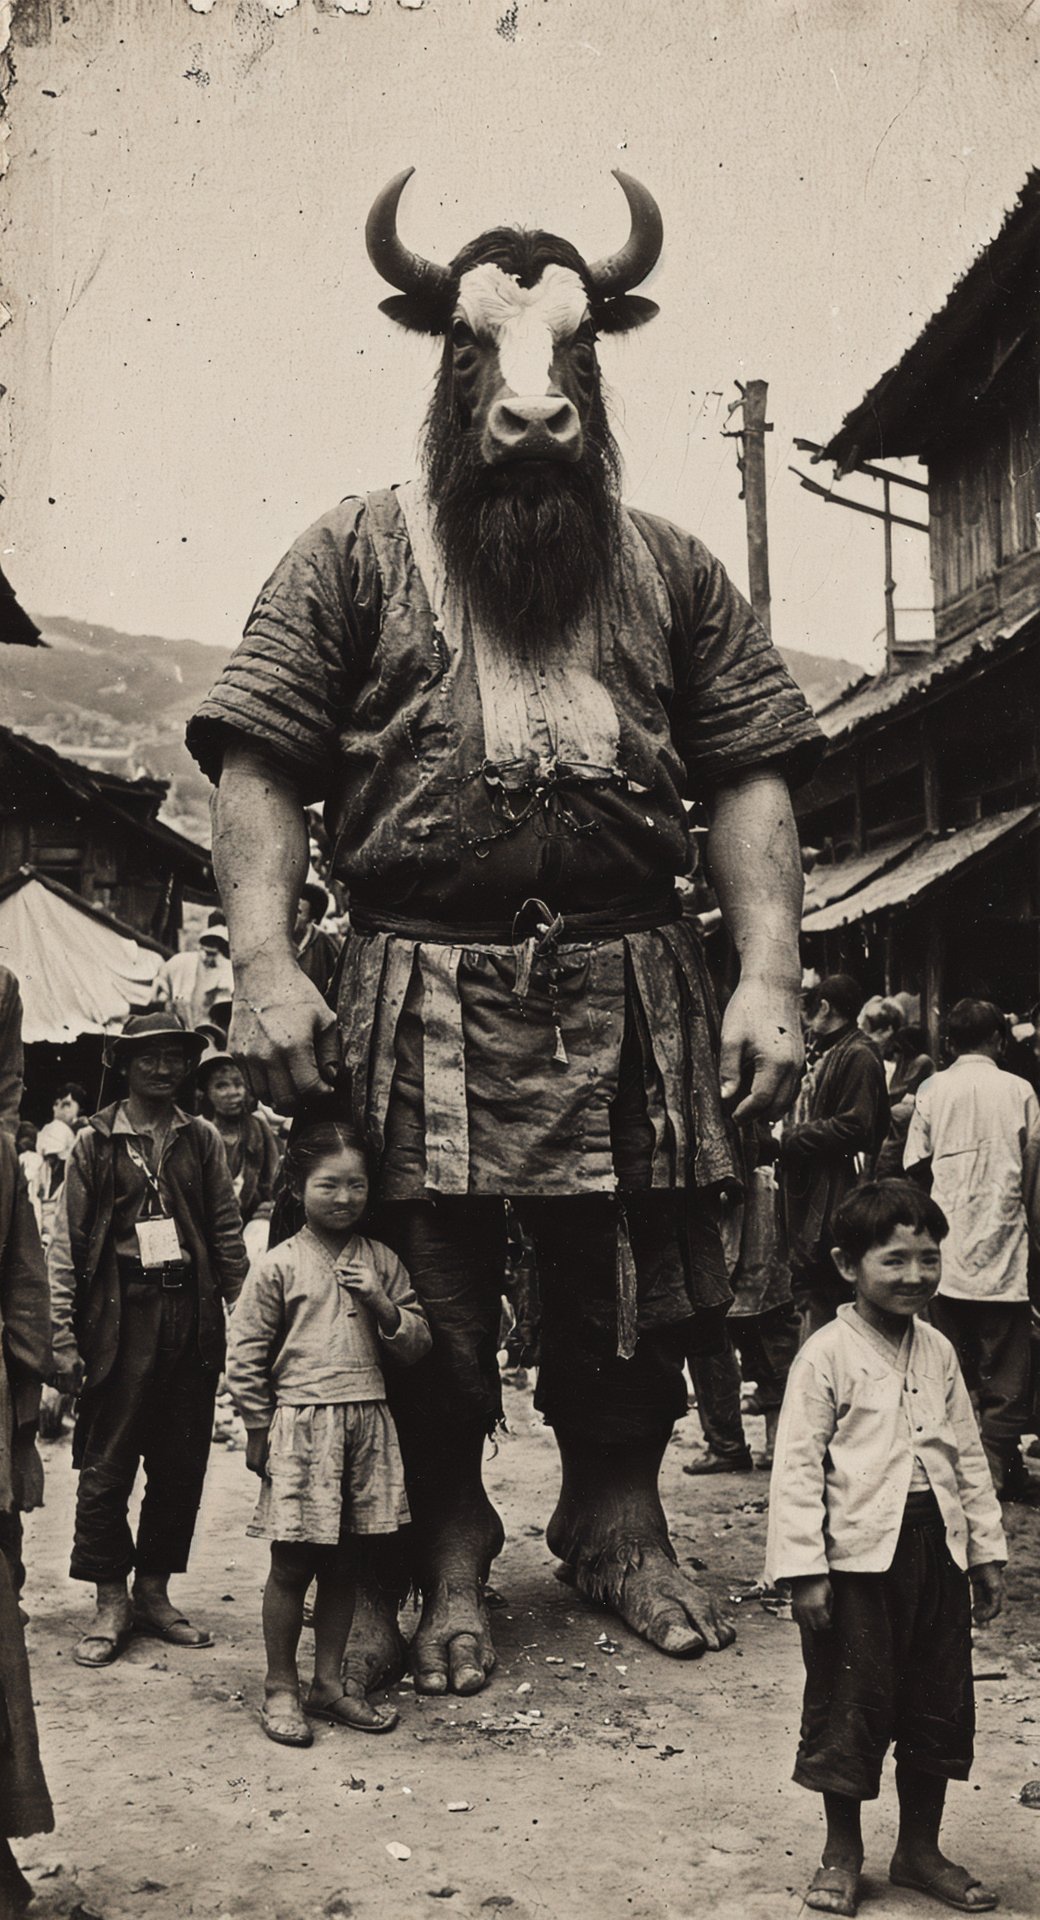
<point>978,1128</point>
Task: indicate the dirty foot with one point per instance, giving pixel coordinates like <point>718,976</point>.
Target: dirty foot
<point>376,1653</point>
<point>834,1889</point>
<point>658,1600</point>
<point>941,1879</point>
<point>452,1650</point>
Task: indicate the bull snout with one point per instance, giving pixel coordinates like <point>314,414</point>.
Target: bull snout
<point>547,428</point>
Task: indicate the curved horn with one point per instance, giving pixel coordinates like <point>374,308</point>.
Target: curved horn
<point>619,272</point>
<point>388,254</point>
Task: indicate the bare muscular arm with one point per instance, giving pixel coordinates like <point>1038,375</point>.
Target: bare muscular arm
<point>757,873</point>
<point>281,1027</point>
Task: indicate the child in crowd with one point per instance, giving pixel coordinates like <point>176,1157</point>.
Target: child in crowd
<point>305,1369</point>
<point>884,1519</point>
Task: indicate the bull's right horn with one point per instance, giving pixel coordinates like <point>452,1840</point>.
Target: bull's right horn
<point>620,272</point>
<point>387,252</point>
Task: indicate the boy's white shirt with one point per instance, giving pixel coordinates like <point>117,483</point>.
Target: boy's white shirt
<point>854,1415</point>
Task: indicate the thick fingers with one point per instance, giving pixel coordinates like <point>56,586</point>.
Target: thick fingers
<point>327,1051</point>
<point>731,1063</point>
<point>771,1093</point>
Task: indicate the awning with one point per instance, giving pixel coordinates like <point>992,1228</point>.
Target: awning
<point>836,879</point>
<point>922,866</point>
<point>77,973</point>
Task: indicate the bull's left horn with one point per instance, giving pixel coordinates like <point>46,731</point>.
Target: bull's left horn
<point>620,272</point>
<point>387,252</point>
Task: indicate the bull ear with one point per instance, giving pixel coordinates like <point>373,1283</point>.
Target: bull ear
<point>623,314</point>
<point>412,311</point>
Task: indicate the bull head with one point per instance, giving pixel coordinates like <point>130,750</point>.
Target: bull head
<point>522,312</point>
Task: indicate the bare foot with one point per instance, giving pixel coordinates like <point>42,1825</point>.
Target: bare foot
<point>834,1889</point>
<point>452,1650</point>
<point>942,1879</point>
<point>376,1653</point>
<point>661,1602</point>
<point>610,1530</point>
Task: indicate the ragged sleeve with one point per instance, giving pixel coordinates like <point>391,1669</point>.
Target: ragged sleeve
<point>736,707</point>
<point>303,656</point>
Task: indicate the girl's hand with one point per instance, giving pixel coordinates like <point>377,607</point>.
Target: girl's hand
<point>363,1283</point>
<point>812,1602</point>
<point>987,1591</point>
<point>257,1449</point>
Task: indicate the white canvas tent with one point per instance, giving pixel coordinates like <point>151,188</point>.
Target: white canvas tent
<point>79,970</point>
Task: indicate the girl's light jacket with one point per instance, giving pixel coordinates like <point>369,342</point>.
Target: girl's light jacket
<point>295,1340</point>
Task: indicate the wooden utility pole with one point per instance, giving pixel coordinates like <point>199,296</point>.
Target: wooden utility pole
<point>754,465</point>
<point>751,460</point>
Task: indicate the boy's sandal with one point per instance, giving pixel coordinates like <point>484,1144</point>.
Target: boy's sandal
<point>352,1710</point>
<point>176,1633</point>
<point>953,1887</point>
<point>840,1884</point>
<point>100,1649</point>
<point>285,1725</point>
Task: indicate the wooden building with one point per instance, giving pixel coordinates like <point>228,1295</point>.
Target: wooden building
<point>922,822</point>
<point>99,836</point>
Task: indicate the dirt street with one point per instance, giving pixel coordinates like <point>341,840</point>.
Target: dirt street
<point>594,1780</point>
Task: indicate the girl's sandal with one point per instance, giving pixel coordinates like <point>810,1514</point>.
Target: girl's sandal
<point>352,1710</point>
<point>285,1723</point>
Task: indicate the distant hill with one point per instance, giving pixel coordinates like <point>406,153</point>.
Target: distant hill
<point>115,700</point>
<point>121,700</point>
<point>820,677</point>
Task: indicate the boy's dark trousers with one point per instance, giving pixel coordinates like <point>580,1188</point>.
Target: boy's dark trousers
<point>155,1406</point>
<point>894,1665</point>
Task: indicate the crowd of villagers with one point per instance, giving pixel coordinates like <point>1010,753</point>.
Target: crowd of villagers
<point>176,1205</point>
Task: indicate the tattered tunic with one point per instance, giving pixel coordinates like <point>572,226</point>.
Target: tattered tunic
<point>475,795</point>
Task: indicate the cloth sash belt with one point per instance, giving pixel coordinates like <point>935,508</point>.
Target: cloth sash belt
<point>608,923</point>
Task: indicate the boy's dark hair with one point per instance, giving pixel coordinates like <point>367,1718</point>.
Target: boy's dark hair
<point>873,1211</point>
<point>842,993</point>
<point>974,1023</point>
<point>71,1090</point>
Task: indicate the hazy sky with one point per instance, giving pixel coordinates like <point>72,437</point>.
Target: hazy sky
<point>196,365</point>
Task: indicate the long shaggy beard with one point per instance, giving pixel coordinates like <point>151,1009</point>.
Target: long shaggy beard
<point>531,544</point>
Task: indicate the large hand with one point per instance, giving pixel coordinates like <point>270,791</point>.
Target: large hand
<point>762,1052</point>
<point>284,1033</point>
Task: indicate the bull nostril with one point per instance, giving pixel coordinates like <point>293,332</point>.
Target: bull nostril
<point>563,422</point>
<point>511,425</point>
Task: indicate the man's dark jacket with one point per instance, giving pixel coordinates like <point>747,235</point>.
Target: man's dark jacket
<point>847,1115</point>
<point>84,1275</point>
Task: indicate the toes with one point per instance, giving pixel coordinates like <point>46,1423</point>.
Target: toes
<point>678,1638</point>
<point>431,1680</point>
<point>469,1662</point>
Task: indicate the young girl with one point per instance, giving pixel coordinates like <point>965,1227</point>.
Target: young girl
<point>304,1366</point>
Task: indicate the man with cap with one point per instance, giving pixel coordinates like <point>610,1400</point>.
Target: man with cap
<point>317,952</point>
<point>146,1252</point>
<point>191,984</point>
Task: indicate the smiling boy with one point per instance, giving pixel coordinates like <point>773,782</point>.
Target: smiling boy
<point>884,1520</point>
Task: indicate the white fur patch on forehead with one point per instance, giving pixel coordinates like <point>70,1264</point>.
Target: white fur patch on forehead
<point>490,300</point>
